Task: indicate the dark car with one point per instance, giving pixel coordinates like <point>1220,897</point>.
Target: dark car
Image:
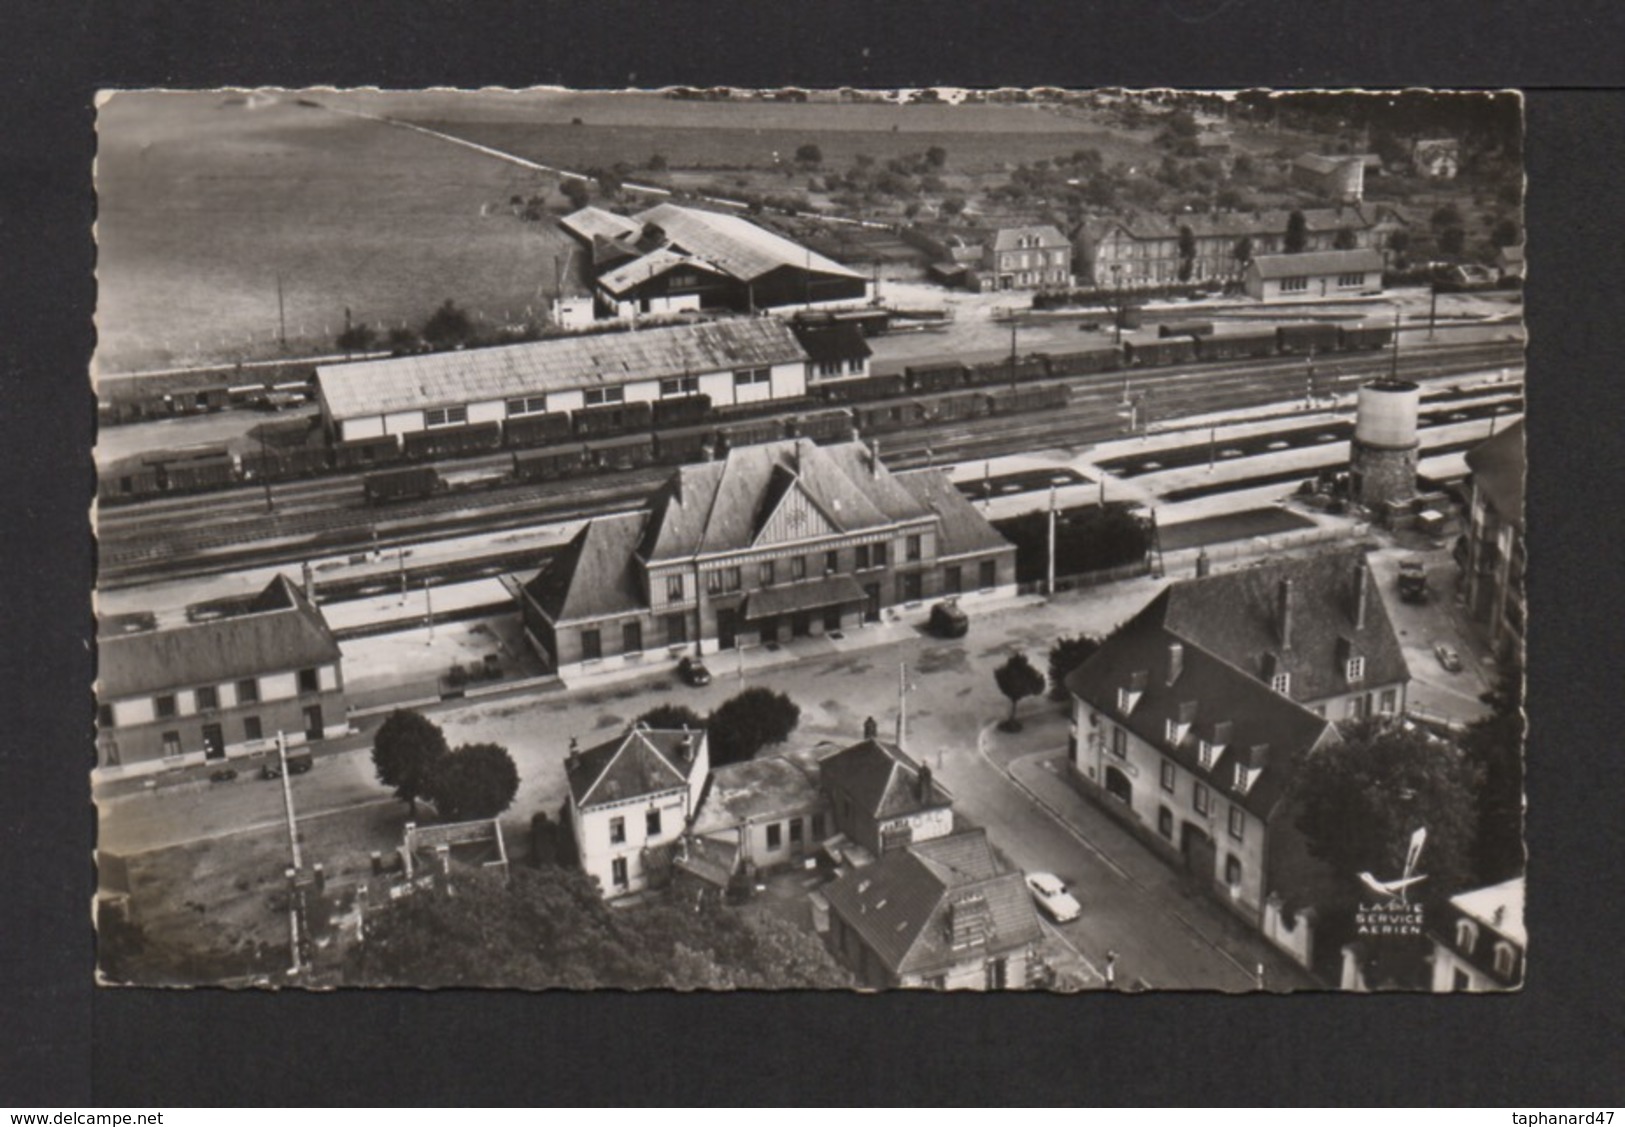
<point>693,671</point>
<point>948,620</point>
<point>299,762</point>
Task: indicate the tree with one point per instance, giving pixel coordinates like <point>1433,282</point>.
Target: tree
<point>810,154</point>
<point>1446,216</point>
<point>1344,239</point>
<point>1242,252</point>
<point>357,338</point>
<point>1017,679</point>
<point>1399,242</point>
<point>656,163</point>
<point>1066,655</point>
<point>576,192</point>
<point>475,781</point>
<point>401,341</point>
<point>671,717</point>
<point>1187,253</point>
<point>1297,233</point>
<point>404,754</point>
<point>936,156</point>
<point>744,724</point>
<point>952,206</point>
<point>448,327</point>
<point>1495,745</point>
<point>1506,234</point>
<point>1452,240</point>
<point>1359,801</point>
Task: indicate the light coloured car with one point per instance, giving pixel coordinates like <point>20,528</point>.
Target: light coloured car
<point>1448,657</point>
<point>1053,897</point>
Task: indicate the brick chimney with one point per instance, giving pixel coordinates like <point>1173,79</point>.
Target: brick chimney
<point>1283,613</point>
<point>1359,593</point>
<point>573,760</point>
<point>1176,661</point>
<point>922,784</point>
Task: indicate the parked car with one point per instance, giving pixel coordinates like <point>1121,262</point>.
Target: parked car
<point>1052,896</point>
<point>1413,582</point>
<point>299,762</point>
<point>693,671</point>
<point>1448,657</point>
<point>948,620</point>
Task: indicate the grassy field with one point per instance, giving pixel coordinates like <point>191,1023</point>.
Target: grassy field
<point>204,202</point>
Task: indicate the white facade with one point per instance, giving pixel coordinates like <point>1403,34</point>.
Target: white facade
<point>613,836</point>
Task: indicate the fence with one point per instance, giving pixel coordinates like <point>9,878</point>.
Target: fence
<point>1184,561</point>
<point>1088,579</point>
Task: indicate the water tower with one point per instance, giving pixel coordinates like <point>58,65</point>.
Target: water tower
<point>1382,463</point>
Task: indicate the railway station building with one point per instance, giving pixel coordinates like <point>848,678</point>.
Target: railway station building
<point>221,688</point>
<point>671,259</point>
<point>775,542</point>
<point>1312,276</point>
<point>744,360</point>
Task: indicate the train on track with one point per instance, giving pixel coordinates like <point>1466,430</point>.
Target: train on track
<point>690,429</point>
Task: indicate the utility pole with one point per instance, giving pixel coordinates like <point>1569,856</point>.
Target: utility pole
<point>1049,574</point>
<point>428,610</point>
<point>1433,305</point>
<point>296,890</point>
<point>287,800</point>
<point>1393,368</point>
<point>1309,379</point>
<point>265,476</point>
<point>1012,354</point>
<point>902,696</point>
<point>400,555</point>
<point>1212,447</point>
<point>281,314</point>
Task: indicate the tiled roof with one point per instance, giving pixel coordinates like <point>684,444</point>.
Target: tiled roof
<point>882,780</point>
<point>904,906</point>
<point>711,861</point>
<point>1257,717</point>
<point>755,790</point>
<point>832,343</point>
<point>735,245</point>
<point>1235,224</point>
<point>651,265</point>
<point>405,383</point>
<point>1009,238</point>
<point>963,530</point>
<point>594,575</point>
<point>1315,263</point>
<point>1481,905</point>
<point>595,223</point>
<point>1497,465</point>
<point>281,632</point>
<point>1234,615</point>
<point>720,506</point>
<point>641,762</point>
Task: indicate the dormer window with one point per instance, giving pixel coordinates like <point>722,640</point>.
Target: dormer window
<point>1356,669</point>
<point>1207,754</point>
<point>1505,957</point>
<point>1245,777</point>
<point>1466,935</point>
<point>1129,695</point>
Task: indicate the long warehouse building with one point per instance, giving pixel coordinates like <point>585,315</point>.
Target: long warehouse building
<point>738,361</point>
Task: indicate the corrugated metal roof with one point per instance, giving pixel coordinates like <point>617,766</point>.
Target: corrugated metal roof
<point>1314,264</point>
<point>736,245</point>
<point>442,379</point>
<point>594,222</point>
<point>651,265</point>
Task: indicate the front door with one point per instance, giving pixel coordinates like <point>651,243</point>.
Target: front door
<point>214,742</point>
<point>832,619</point>
<point>727,627</point>
<point>313,722</point>
<point>912,587</point>
<point>770,630</point>
<point>800,624</point>
<point>1118,786</point>
<point>871,608</point>
<point>1197,848</point>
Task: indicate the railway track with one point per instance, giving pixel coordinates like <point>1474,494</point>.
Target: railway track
<point>180,537</point>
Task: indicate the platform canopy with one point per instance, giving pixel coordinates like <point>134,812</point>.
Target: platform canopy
<point>836,590</point>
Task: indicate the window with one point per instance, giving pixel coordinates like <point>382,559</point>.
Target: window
<point>1356,668</point>
<point>798,567</point>
<point>1169,776</point>
<point>829,367</point>
<point>877,555</point>
<point>1390,701</point>
<point>676,629</point>
<point>764,573</point>
<point>1359,707</point>
<point>682,385</point>
<point>1461,980</point>
<point>1294,285</point>
<point>617,831</point>
<point>309,681</point>
<point>854,367</point>
<point>1199,798</point>
<point>592,645</point>
<point>208,698</point>
<point>935,982</point>
<point>751,376</point>
<point>617,872</point>
<point>713,582</point>
<point>1504,959</point>
<point>172,744</point>
<point>732,578</point>
<point>1119,743</point>
<point>674,588</point>
<point>164,706</point>
<point>774,834</point>
<point>861,556</point>
<point>1466,935</point>
<point>248,691</point>
<point>795,831</point>
<point>832,562</point>
<point>1238,823</point>
<point>1348,281</point>
<point>987,574</point>
<point>953,580</point>
<point>1232,870</point>
<point>600,396</point>
<point>651,823</point>
<point>632,637</point>
<point>445,416</point>
<point>104,715</point>
<point>914,547</point>
<point>252,729</point>
<point>1281,683</point>
<point>529,405</point>
<point>1165,822</point>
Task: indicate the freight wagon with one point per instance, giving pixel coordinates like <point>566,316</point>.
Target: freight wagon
<point>361,453</point>
<point>682,412</point>
<point>453,442</point>
<point>1236,347</point>
<point>1156,353</point>
<point>612,419</point>
<point>405,484</point>
<point>1299,340</point>
<point>537,430</point>
<point>621,452</point>
<point>832,424</point>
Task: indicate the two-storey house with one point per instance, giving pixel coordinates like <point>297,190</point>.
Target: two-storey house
<point>882,799</point>
<point>630,799</point>
<point>1024,258</point>
<point>1479,943</point>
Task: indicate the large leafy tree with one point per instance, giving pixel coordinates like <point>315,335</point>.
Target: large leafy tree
<point>744,724</point>
<point>1187,253</point>
<point>1495,745</point>
<point>1065,656</point>
<point>1360,800</point>
<point>475,781</point>
<point>670,717</point>
<point>1017,679</point>
<point>448,327</point>
<point>405,752</point>
<point>1297,233</point>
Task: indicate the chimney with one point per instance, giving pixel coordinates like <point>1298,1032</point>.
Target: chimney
<point>1176,661</point>
<point>685,748</point>
<point>1204,566</point>
<point>871,729</point>
<point>1359,593</point>
<point>1500,914</point>
<point>310,582</point>
<point>1283,613</point>
<point>1221,732</point>
<point>874,457</point>
<point>573,760</point>
<point>922,787</point>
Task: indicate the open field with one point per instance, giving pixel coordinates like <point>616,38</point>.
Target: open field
<point>203,202</point>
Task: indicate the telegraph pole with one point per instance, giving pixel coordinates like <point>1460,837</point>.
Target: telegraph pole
<point>281,314</point>
<point>1049,574</point>
<point>902,696</point>
<point>1393,368</point>
<point>1012,354</point>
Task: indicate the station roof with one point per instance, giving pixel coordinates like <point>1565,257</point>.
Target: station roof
<point>1316,263</point>
<point>406,383</point>
<point>593,576</point>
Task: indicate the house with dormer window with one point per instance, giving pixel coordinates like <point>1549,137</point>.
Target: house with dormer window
<point>1478,944</point>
